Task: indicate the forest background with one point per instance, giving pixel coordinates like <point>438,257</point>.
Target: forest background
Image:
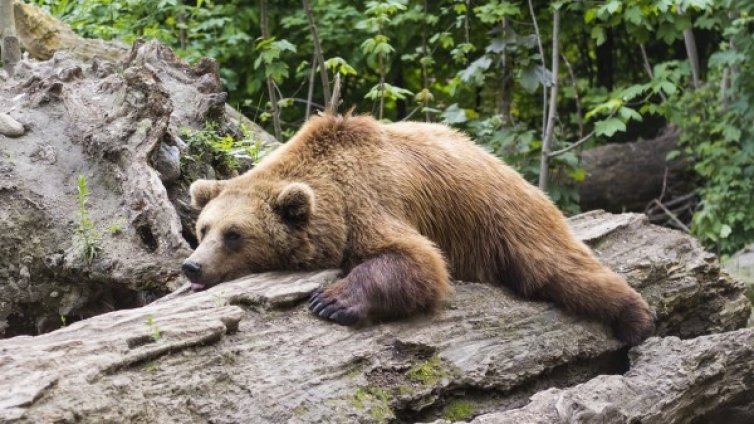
<point>534,82</point>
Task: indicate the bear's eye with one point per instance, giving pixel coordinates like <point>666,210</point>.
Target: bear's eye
<point>232,236</point>
<point>203,231</point>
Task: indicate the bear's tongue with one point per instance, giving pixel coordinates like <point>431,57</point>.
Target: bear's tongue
<point>197,286</point>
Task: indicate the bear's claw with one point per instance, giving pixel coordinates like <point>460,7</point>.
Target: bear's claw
<point>331,308</point>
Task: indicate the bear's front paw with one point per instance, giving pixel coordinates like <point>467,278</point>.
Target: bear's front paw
<point>331,303</point>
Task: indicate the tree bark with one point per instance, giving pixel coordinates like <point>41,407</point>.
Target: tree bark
<point>669,383</point>
<point>249,350</point>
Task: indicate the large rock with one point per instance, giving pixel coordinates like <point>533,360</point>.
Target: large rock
<point>250,351</point>
<point>119,125</point>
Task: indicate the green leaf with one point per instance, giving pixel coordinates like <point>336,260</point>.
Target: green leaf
<point>731,133</point>
<point>454,115</point>
<point>598,34</point>
<point>633,15</point>
<point>627,114</point>
<point>725,231</point>
<point>609,127</point>
<point>476,69</point>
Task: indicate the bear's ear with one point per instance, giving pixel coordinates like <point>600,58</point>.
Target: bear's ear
<point>202,191</point>
<point>295,203</point>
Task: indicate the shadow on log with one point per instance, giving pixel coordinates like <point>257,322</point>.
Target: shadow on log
<point>250,351</point>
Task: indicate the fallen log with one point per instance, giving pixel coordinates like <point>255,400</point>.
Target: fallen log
<point>628,176</point>
<point>250,351</point>
<point>709,379</point>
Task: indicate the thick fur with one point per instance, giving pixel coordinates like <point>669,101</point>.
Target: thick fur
<point>401,207</point>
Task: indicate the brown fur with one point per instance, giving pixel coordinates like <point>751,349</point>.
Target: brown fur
<point>400,206</point>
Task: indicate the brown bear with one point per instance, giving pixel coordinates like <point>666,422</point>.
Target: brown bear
<point>400,208</point>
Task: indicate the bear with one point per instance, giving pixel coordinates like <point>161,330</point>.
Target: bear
<point>400,208</point>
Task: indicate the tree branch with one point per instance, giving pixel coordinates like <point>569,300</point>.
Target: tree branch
<point>310,92</point>
<point>270,83</point>
<point>545,160</point>
<point>318,52</point>
<point>332,108</point>
<point>544,68</point>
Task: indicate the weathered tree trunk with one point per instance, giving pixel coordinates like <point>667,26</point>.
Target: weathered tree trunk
<point>709,379</point>
<point>115,116</point>
<point>42,35</point>
<point>121,127</point>
<point>250,351</point>
<point>627,176</point>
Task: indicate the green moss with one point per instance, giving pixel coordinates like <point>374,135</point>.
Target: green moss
<point>359,398</point>
<point>299,411</point>
<point>151,367</point>
<point>458,410</point>
<point>353,373</point>
<point>428,372</point>
<point>375,401</point>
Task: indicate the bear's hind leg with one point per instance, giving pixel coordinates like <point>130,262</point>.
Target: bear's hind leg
<point>403,274</point>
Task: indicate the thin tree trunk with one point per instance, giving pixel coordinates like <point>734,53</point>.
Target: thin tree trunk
<point>310,93</point>
<point>551,115</point>
<point>381,64</point>
<point>425,52</point>
<point>544,68</point>
<point>506,84</point>
<point>11,48</point>
<point>382,85</point>
<point>690,41</point>
<point>691,53</point>
<point>318,52</point>
<point>182,36</point>
<point>270,83</point>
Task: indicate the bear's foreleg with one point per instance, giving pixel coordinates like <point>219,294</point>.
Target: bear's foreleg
<point>403,273</point>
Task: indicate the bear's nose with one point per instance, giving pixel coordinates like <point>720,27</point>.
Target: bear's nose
<point>192,269</point>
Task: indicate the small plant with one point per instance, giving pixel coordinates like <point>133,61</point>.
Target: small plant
<point>62,320</point>
<point>151,367</point>
<point>86,235</point>
<point>116,227</point>
<point>154,330</point>
<point>223,151</point>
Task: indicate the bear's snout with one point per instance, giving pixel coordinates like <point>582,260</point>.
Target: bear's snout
<point>192,270</point>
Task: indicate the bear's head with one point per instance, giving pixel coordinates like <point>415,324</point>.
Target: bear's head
<point>247,227</point>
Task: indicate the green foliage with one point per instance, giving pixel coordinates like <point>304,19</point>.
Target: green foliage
<point>458,410</point>
<point>116,227</point>
<point>269,51</point>
<point>86,236</point>
<point>223,151</point>
<point>154,330</point>
<point>478,66</point>
<point>428,372</point>
<point>721,149</point>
